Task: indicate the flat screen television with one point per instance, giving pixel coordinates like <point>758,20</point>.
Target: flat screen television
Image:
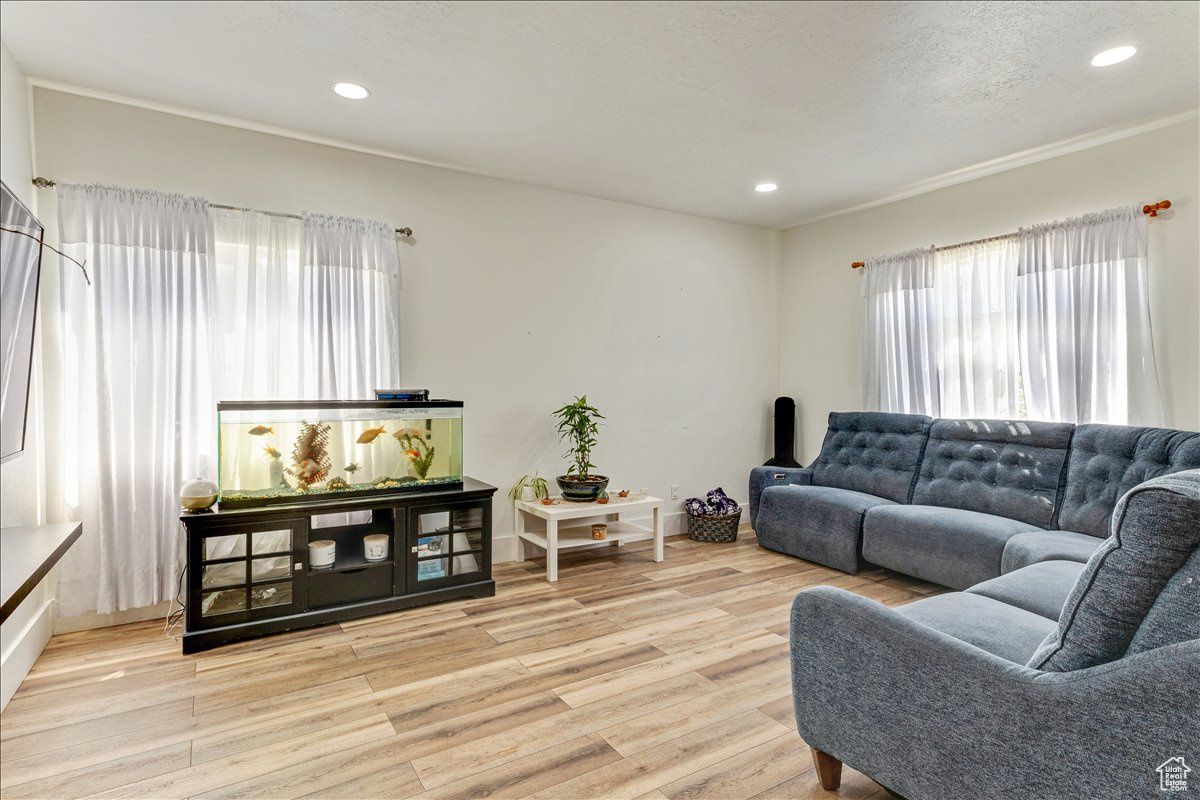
<point>20,269</point>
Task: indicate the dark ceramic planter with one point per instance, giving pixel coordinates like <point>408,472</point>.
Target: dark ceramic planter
<point>578,490</point>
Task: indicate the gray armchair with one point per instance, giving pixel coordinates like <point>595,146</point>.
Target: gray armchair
<point>968,694</point>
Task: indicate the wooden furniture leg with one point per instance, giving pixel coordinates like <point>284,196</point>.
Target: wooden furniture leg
<point>829,769</point>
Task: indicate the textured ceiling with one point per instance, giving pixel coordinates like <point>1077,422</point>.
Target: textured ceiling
<point>683,106</point>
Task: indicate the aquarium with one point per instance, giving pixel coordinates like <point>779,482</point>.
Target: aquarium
<point>280,452</point>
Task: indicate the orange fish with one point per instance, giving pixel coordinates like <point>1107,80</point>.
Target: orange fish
<point>412,454</point>
<point>368,436</point>
<point>271,452</point>
<point>259,430</point>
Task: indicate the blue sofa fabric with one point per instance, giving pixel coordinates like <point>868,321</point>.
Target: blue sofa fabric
<point>1010,468</point>
<point>1039,588</point>
<point>816,523</point>
<point>1001,629</point>
<point>762,477</point>
<point>1156,531</point>
<point>1107,461</point>
<point>950,546</point>
<point>872,452</point>
<point>1030,548</point>
<point>934,717</point>
<point>1175,615</point>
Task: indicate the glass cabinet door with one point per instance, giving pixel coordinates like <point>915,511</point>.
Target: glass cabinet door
<point>243,572</point>
<point>448,545</point>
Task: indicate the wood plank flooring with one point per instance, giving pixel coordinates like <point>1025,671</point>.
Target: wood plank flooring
<point>626,679</point>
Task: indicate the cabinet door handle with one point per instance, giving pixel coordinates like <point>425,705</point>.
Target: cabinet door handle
<point>297,567</point>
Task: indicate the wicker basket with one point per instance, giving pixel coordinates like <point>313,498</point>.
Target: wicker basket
<point>714,529</point>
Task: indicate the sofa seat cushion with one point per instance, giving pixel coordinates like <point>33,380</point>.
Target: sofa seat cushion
<point>999,628</point>
<point>950,546</point>
<point>1040,588</point>
<point>1030,548</point>
<point>816,523</point>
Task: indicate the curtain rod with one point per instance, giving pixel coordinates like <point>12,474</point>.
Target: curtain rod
<point>1149,210</point>
<point>46,183</point>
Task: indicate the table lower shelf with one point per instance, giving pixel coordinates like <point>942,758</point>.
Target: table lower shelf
<point>581,535</point>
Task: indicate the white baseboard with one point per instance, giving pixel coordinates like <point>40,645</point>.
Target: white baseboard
<point>87,622</point>
<point>504,547</point>
<point>26,645</point>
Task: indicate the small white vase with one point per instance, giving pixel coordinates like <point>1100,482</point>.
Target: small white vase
<point>527,494</point>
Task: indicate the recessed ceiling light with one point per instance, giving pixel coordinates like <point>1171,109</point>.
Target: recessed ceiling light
<point>1114,56</point>
<point>351,91</point>
<point>765,187</point>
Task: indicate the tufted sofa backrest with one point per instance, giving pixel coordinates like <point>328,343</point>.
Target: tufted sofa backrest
<point>1011,468</point>
<point>1107,461</point>
<point>872,452</point>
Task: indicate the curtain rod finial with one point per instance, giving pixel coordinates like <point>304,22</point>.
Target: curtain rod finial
<point>857,264</point>
<point>43,183</point>
<point>1152,210</point>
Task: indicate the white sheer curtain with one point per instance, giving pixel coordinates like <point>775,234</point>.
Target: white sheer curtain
<point>977,329</point>
<point>309,308</point>
<point>899,334</point>
<point>191,305</point>
<point>134,385</point>
<point>1083,310</point>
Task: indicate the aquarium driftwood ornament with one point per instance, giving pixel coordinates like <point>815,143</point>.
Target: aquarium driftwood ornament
<point>578,426</point>
<point>310,456</point>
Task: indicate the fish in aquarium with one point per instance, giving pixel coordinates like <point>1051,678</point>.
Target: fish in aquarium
<point>271,452</point>
<point>260,430</point>
<point>369,435</point>
<point>352,468</point>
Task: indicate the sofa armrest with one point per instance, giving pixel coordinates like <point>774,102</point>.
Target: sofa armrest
<point>930,716</point>
<point>762,477</point>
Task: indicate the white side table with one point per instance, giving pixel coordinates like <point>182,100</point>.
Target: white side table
<point>557,537</point>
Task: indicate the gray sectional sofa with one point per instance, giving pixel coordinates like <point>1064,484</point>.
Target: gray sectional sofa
<point>958,502</point>
<point>1055,680</point>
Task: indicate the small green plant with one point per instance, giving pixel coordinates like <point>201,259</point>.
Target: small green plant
<point>415,449</point>
<point>577,426</point>
<point>535,482</point>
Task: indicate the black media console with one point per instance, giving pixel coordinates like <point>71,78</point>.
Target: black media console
<point>249,574</point>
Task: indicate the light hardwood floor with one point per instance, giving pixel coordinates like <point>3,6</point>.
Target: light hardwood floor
<point>626,679</point>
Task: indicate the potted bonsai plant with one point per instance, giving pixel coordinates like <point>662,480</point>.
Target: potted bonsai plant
<point>578,426</point>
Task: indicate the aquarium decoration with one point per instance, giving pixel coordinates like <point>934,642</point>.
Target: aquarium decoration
<point>310,456</point>
<point>416,450</point>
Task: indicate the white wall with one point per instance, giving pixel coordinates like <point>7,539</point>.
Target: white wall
<point>515,297</point>
<point>819,298</point>
<point>26,631</point>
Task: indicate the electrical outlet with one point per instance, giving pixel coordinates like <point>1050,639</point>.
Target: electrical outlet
<point>674,491</point>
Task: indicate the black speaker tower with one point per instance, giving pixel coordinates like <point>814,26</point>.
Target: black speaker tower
<point>785,434</point>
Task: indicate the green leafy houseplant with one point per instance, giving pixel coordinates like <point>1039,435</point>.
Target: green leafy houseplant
<point>578,425</point>
<point>535,482</point>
